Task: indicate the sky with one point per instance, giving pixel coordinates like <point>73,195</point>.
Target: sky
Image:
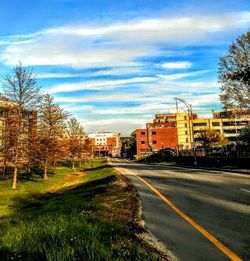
<point>115,64</point>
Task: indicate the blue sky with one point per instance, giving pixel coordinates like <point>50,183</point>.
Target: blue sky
<point>114,64</point>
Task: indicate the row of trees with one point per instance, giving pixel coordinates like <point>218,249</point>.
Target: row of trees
<point>36,131</point>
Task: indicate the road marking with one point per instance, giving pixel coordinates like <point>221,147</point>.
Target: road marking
<point>245,190</point>
<point>205,233</point>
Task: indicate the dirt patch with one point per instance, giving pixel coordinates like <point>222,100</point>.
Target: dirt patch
<point>70,180</point>
<point>121,203</point>
<point>73,176</point>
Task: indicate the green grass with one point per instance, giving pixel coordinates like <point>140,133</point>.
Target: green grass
<point>44,220</point>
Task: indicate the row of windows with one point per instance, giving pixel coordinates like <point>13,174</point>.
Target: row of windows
<point>154,142</point>
<point>233,123</point>
<point>143,133</point>
<point>200,124</point>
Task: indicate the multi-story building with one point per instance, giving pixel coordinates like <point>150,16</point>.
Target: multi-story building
<point>180,130</point>
<point>227,124</point>
<point>160,134</point>
<point>104,144</point>
<point>8,121</point>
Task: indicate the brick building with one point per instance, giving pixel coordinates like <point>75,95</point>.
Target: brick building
<point>8,123</point>
<point>104,144</point>
<point>181,130</point>
<point>160,134</point>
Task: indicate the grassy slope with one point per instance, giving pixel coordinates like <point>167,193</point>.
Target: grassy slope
<point>68,218</point>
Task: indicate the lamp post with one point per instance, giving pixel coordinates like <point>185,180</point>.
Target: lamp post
<point>148,138</point>
<point>190,121</point>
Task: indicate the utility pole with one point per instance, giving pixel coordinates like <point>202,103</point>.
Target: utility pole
<point>190,123</point>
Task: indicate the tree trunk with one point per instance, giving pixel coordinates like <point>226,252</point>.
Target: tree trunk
<point>45,174</point>
<point>14,180</point>
<point>29,169</point>
<point>73,165</point>
<point>4,169</point>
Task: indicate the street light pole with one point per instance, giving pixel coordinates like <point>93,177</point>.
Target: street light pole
<point>149,138</point>
<point>190,121</point>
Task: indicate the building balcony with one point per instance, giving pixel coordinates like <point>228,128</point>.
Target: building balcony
<point>227,135</point>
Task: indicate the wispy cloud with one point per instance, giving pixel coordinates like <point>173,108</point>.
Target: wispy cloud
<point>177,65</point>
<point>177,76</point>
<point>136,66</point>
<point>99,85</point>
<point>145,108</point>
<point>117,44</point>
<point>57,75</point>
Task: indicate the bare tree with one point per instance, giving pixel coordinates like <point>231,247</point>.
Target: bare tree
<point>21,88</point>
<point>51,128</point>
<point>234,74</point>
<point>75,140</point>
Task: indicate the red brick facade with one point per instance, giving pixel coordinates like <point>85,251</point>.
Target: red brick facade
<point>160,136</point>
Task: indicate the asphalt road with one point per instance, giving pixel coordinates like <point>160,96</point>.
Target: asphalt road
<point>218,201</point>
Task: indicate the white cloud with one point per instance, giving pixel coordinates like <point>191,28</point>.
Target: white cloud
<point>73,53</point>
<point>99,85</point>
<point>57,75</point>
<point>119,71</point>
<point>123,125</point>
<point>79,108</point>
<point>177,65</point>
<point>158,29</point>
<point>145,108</point>
<point>118,44</point>
<point>147,93</point>
<point>146,96</point>
<point>176,76</point>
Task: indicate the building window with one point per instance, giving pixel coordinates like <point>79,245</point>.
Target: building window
<point>199,124</point>
<point>154,141</point>
<point>185,118</point>
<point>142,142</point>
<point>185,125</point>
<point>215,123</point>
<point>153,132</point>
<point>142,132</point>
<point>186,132</point>
<point>229,123</point>
<point>186,139</point>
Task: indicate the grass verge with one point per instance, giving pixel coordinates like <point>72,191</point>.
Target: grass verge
<point>90,214</point>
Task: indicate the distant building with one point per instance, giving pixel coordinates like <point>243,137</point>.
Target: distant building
<point>125,146</point>
<point>104,144</point>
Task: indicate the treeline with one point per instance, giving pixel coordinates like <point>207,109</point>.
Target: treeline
<point>36,132</point>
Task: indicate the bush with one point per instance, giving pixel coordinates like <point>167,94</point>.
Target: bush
<point>168,155</point>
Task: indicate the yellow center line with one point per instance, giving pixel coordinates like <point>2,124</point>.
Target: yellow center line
<point>205,233</point>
